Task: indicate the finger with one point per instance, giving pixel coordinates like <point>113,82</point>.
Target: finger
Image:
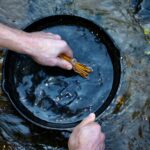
<point>63,64</point>
<point>54,36</point>
<point>102,141</point>
<point>88,120</point>
<point>40,33</point>
<point>102,146</point>
<point>64,47</point>
<point>58,36</point>
<point>68,52</point>
<point>102,137</point>
<point>50,33</point>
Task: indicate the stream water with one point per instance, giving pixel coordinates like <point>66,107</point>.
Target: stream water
<point>126,122</point>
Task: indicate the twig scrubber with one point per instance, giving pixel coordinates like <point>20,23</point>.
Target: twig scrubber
<point>79,68</point>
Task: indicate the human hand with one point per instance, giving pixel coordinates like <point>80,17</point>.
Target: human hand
<point>45,48</point>
<point>87,135</point>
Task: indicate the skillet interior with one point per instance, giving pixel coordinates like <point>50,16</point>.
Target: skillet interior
<point>58,99</point>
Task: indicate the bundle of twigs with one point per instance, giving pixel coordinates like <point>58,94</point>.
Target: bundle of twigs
<point>81,69</point>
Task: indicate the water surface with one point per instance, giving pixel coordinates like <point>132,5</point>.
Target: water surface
<point>126,122</point>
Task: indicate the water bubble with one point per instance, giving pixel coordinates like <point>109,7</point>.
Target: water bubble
<point>44,109</point>
<point>68,94</point>
<point>57,99</point>
<point>76,102</point>
<point>62,117</point>
<point>36,103</point>
<point>85,110</point>
<point>23,99</point>
<point>99,81</point>
<point>46,84</point>
<point>40,93</point>
<point>92,32</point>
<point>90,108</point>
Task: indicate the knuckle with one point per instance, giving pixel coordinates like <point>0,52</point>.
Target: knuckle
<point>82,132</point>
<point>64,43</point>
<point>58,36</point>
<point>74,129</point>
<point>96,126</point>
<point>71,142</point>
<point>52,62</point>
<point>102,137</point>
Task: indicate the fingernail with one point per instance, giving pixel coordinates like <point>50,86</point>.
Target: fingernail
<point>92,115</point>
<point>69,67</point>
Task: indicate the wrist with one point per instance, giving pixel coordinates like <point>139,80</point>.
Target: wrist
<point>19,42</point>
<point>13,39</point>
<point>25,43</point>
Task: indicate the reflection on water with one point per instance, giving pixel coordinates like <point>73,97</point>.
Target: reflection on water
<point>127,121</point>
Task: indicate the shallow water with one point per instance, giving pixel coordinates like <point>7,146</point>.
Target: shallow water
<point>63,97</point>
<point>127,121</point>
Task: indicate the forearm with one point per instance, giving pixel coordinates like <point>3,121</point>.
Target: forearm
<point>12,39</point>
<point>44,48</point>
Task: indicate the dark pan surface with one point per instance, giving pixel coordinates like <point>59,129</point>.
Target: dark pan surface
<point>58,99</point>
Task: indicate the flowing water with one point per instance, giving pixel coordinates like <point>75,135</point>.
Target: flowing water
<point>126,122</point>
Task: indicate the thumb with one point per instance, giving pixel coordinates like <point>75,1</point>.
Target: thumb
<point>87,120</point>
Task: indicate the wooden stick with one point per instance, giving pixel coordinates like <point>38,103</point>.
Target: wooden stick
<point>81,69</point>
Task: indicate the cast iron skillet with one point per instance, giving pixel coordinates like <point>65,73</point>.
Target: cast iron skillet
<point>81,28</point>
